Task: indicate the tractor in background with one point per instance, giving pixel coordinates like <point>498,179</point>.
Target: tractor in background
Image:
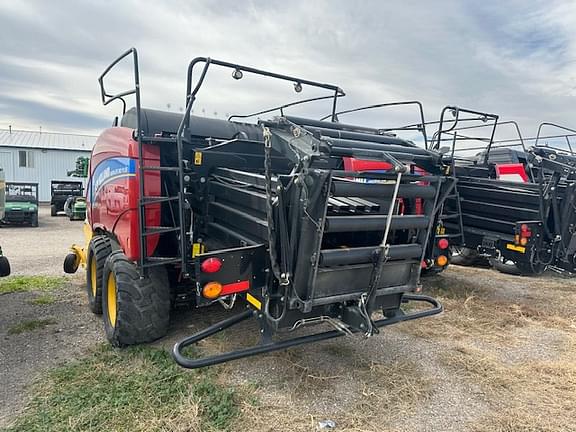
<point>61,191</point>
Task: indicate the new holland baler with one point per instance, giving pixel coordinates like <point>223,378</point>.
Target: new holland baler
<point>194,211</point>
<point>515,203</point>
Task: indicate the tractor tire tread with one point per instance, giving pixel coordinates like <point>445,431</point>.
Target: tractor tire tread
<point>99,247</point>
<point>143,305</point>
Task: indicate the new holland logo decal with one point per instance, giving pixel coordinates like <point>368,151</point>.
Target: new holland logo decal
<point>112,169</point>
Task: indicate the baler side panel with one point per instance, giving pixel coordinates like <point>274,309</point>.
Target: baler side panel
<point>113,189</point>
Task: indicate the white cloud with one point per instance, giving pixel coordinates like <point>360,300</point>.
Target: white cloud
<point>515,58</point>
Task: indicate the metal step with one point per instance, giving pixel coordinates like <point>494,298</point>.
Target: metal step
<point>160,261</point>
<point>374,223</point>
<point>361,255</point>
<point>159,230</point>
<point>375,190</point>
<point>451,216</point>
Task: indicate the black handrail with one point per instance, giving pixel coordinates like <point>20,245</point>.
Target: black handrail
<point>421,127</point>
<point>108,98</point>
<point>191,93</point>
<point>566,136</point>
<point>281,107</point>
<point>456,111</point>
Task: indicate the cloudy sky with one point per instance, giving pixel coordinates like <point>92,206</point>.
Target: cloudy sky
<point>513,58</point>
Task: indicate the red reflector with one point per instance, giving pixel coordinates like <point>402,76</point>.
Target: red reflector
<point>525,231</point>
<point>235,287</point>
<point>211,265</point>
<point>423,264</point>
<point>443,243</point>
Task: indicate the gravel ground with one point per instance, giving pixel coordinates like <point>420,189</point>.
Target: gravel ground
<point>41,250</point>
<point>396,381</point>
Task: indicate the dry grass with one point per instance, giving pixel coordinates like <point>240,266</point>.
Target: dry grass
<point>490,338</point>
<point>363,396</point>
<point>528,396</point>
<point>482,325</point>
<point>480,306</point>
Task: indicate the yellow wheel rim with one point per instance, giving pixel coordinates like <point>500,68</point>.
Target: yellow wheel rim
<point>93,276</point>
<point>111,299</point>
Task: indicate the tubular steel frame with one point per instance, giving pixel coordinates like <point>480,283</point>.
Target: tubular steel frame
<point>270,346</point>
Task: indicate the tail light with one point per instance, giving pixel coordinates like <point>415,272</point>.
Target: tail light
<point>524,235</point>
<point>525,231</point>
<point>443,243</point>
<point>211,265</point>
<point>212,290</point>
<point>442,260</point>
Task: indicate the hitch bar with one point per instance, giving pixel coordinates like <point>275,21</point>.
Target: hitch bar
<point>190,363</point>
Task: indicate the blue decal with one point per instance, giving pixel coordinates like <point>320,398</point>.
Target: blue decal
<point>111,169</point>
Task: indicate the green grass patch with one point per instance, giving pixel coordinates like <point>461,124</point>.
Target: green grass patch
<point>30,283</point>
<point>30,325</point>
<point>136,389</point>
<point>44,299</point>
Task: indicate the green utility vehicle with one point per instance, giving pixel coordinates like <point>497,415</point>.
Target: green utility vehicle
<point>60,191</point>
<point>21,204</point>
<point>75,208</point>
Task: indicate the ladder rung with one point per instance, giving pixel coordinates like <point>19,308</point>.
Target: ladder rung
<point>158,261</point>
<point>159,199</point>
<point>452,216</point>
<point>161,168</point>
<point>159,230</point>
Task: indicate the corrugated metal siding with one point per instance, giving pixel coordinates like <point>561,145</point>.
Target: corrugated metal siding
<point>46,140</point>
<point>48,165</point>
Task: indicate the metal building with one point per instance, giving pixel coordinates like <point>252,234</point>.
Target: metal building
<point>41,156</point>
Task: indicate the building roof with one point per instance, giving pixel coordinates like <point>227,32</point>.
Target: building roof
<point>46,140</point>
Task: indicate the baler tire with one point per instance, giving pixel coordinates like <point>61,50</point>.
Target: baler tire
<point>34,221</point>
<point>98,250</point>
<point>53,211</point>
<point>4,266</point>
<point>517,269</point>
<point>468,258</point>
<point>529,269</point>
<point>506,268</point>
<point>137,310</point>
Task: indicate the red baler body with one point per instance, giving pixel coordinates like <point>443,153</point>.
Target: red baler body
<point>113,189</point>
